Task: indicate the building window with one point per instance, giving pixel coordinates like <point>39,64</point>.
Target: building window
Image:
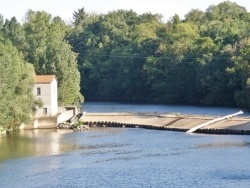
<point>38,91</point>
<point>44,111</point>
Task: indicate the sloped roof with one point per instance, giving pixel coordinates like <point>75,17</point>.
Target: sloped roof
<point>44,78</point>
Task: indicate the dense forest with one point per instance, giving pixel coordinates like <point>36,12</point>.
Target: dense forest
<point>123,56</point>
<point>201,59</point>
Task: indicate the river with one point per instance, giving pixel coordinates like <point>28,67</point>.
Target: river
<point>123,157</point>
<point>109,107</point>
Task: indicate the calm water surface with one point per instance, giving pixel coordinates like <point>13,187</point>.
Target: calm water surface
<point>122,157</point>
<point>103,107</point>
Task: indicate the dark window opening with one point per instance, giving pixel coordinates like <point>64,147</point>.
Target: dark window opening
<point>38,91</point>
<point>44,111</point>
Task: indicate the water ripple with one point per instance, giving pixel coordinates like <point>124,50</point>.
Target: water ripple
<point>222,145</point>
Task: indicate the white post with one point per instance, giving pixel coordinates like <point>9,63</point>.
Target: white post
<point>213,121</point>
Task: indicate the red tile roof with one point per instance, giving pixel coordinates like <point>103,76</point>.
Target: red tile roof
<point>44,78</point>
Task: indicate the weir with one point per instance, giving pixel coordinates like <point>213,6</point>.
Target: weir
<point>171,122</point>
<point>213,121</point>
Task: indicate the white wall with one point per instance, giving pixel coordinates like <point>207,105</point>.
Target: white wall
<point>65,116</point>
<point>48,97</point>
<point>54,98</point>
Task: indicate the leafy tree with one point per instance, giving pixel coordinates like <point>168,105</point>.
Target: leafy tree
<point>1,21</point>
<point>129,57</point>
<point>80,18</point>
<point>16,84</point>
<point>225,10</point>
<point>14,31</point>
<point>51,54</point>
<point>241,70</point>
<point>195,16</point>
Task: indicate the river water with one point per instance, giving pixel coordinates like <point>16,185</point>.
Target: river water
<point>123,157</point>
<point>109,107</point>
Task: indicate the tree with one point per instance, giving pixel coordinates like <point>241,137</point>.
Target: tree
<point>16,84</point>
<point>241,70</point>
<point>51,54</point>
<point>14,31</point>
<point>199,60</point>
<point>1,21</point>
<point>195,16</point>
<point>80,18</point>
<point>226,10</point>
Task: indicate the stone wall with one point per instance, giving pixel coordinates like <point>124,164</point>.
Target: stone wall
<point>45,122</point>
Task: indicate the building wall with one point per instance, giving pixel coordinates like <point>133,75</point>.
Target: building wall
<point>54,98</point>
<point>48,95</point>
<point>45,122</point>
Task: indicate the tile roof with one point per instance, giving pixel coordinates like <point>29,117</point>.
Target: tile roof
<point>44,78</point>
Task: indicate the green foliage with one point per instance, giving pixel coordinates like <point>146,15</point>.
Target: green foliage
<point>14,31</point>
<point>51,54</point>
<point>195,16</point>
<point>226,10</point>
<point>1,21</point>
<point>123,56</point>
<point>16,84</point>
<point>41,42</point>
<point>202,59</point>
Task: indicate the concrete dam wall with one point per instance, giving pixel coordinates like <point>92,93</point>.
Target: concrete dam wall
<point>171,122</point>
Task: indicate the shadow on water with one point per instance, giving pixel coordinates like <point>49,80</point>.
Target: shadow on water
<point>103,146</point>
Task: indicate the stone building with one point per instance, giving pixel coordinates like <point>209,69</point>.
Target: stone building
<point>46,89</point>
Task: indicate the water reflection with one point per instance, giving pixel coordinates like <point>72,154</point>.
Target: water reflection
<point>45,142</point>
<point>34,143</point>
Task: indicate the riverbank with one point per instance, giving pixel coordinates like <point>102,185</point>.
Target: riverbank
<point>171,122</point>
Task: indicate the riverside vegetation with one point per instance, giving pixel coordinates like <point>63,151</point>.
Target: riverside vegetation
<point>124,56</point>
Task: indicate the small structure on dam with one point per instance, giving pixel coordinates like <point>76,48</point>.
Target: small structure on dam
<point>50,114</point>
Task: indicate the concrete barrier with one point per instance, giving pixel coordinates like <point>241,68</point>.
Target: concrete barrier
<point>204,131</point>
<point>64,116</point>
<point>168,122</point>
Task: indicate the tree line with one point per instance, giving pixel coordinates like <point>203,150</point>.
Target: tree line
<point>201,59</point>
<point>125,56</point>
